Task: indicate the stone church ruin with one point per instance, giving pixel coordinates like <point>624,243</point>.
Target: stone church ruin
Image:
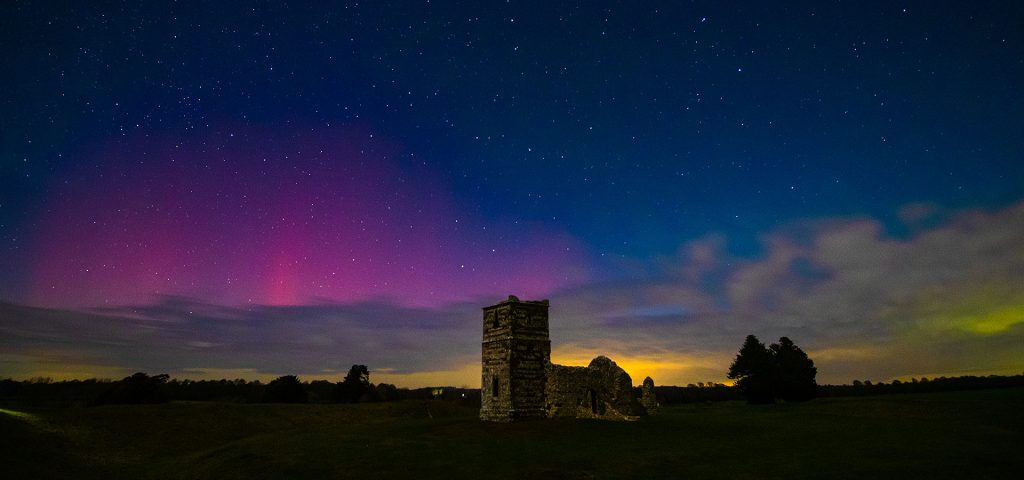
<point>520,382</point>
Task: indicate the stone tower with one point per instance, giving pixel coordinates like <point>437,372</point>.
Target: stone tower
<point>516,355</point>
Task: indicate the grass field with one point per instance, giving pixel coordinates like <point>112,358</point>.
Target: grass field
<point>977,435</point>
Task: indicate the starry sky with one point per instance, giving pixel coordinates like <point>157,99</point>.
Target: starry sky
<point>249,189</point>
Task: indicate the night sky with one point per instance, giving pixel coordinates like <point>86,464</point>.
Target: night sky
<point>233,189</point>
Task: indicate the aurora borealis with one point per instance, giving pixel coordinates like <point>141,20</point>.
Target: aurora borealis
<point>266,219</point>
<point>249,190</point>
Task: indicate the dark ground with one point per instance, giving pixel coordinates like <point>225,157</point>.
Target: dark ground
<point>972,434</point>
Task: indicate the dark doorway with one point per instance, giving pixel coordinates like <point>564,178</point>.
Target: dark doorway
<point>593,402</point>
<point>495,385</point>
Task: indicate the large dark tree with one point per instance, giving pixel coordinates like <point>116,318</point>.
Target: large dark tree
<point>286,389</point>
<point>753,370</point>
<point>783,371</point>
<point>795,372</point>
<point>356,386</point>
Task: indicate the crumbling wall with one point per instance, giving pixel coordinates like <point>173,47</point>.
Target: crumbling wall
<point>518,380</point>
<point>567,391</point>
<point>600,390</point>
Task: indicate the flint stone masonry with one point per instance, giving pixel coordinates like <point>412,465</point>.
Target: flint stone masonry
<point>520,382</point>
<point>516,353</point>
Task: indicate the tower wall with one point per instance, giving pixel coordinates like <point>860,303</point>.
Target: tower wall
<point>516,352</point>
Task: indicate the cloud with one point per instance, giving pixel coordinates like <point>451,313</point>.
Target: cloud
<point>866,304</point>
<point>189,338</point>
<point>943,300</point>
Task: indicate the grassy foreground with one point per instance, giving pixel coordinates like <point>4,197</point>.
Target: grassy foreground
<point>977,434</point>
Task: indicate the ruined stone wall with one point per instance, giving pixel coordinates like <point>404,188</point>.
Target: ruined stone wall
<point>567,391</point>
<point>519,381</point>
<point>600,390</point>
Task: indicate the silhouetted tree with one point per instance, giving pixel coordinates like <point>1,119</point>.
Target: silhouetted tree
<point>286,389</point>
<point>355,387</point>
<point>783,371</point>
<point>753,371</point>
<point>320,391</point>
<point>138,388</point>
<point>794,372</point>
<point>386,392</point>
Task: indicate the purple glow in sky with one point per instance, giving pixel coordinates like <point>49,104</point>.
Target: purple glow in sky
<point>280,217</point>
<point>207,190</point>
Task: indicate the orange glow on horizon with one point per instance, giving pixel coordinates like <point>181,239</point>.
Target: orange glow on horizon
<point>665,368</point>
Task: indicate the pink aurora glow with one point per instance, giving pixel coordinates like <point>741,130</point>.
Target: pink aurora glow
<point>280,218</point>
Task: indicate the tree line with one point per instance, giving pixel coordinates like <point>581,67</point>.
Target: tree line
<point>922,385</point>
<point>140,388</point>
<point>716,392</point>
<point>763,374</point>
